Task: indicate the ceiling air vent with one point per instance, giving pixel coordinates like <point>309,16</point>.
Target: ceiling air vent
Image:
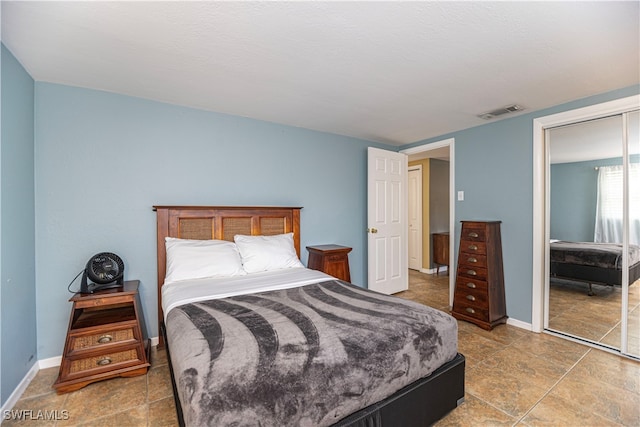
<point>500,111</point>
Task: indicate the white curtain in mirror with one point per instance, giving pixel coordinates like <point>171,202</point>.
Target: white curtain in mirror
<point>609,210</point>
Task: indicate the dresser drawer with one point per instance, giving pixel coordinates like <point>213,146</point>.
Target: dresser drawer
<point>472,272</point>
<point>470,310</point>
<point>474,233</point>
<point>464,283</point>
<point>472,297</point>
<point>473,260</point>
<point>471,247</point>
<point>104,362</point>
<point>103,338</point>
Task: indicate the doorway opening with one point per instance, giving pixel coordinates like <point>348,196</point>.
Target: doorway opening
<point>435,157</point>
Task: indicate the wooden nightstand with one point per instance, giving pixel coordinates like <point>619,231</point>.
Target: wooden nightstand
<point>330,259</point>
<point>106,338</point>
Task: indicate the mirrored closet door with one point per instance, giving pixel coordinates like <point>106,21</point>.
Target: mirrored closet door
<point>632,343</point>
<point>594,229</point>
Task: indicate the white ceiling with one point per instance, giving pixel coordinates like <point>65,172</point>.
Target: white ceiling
<point>394,72</point>
<point>594,139</point>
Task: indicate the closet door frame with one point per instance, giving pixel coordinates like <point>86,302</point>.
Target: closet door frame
<point>541,172</point>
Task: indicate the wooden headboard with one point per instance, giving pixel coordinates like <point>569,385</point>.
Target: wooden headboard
<point>222,223</point>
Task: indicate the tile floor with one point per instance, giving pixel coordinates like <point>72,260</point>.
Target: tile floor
<point>513,377</point>
<point>597,317</point>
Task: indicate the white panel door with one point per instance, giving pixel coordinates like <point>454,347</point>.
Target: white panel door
<point>387,221</point>
<point>415,217</point>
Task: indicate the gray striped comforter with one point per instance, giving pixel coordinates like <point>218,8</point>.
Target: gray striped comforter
<point>603,255</point>
<point>307,356</point>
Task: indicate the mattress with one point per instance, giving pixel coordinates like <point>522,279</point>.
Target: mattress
<point>601,255</point>
<point>295,347</point>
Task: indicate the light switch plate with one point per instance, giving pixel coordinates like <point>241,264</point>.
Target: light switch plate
<point>460,195</point>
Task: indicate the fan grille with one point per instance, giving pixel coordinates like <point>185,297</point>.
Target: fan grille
<point>105,267</point>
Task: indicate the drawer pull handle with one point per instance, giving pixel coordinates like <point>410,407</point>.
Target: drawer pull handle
<point>471,272</point>
<point>104,361</point>
<point>471,285</point>
<point>473,248</point>
<point>473,234</point>
<point>105,339</point>
<point>470,310</point>
<point>472,259</point>
<point>471,298</point>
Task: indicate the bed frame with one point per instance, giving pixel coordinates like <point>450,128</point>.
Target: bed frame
<point>221,223</point>
<point>592,275</point>
<point>420,403</point>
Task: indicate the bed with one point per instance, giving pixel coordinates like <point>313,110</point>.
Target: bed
<point>289,345</point>
<point>592,263</point>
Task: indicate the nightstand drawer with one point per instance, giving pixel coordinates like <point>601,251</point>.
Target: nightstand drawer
<point>104,362</point>
<point>98,339</point>
<point>111,300</point>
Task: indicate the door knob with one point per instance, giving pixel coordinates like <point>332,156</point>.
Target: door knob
<point>372,230</point>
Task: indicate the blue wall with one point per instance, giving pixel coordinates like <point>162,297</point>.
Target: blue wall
<point>103,160</point>
<point>494,168</point>
<point>574,191</point>
<point>17,222</point>
<point>573,201</point>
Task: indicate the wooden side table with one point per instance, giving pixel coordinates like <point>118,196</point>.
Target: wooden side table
<point>330,259</point>
<point>106,338</point>
<point>441,250</point>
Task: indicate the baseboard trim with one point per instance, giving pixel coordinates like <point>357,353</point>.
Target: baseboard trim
<point>22,386</point>
<point>520,324</point>
<point>51,362</point>
<point>432,270</point>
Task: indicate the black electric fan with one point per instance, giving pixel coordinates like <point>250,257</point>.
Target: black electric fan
<point>105,270</point>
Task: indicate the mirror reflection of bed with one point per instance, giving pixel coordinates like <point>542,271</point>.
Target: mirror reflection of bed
<point>585,292</point>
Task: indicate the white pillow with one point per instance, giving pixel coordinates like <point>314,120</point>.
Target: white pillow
<point>266,253</point>
<point>197,259</point>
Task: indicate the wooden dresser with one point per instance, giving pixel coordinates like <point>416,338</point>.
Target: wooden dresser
<point>330,259</point>
<point>479,293</point>
<point>106,338</point>
<point>440,250</point>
